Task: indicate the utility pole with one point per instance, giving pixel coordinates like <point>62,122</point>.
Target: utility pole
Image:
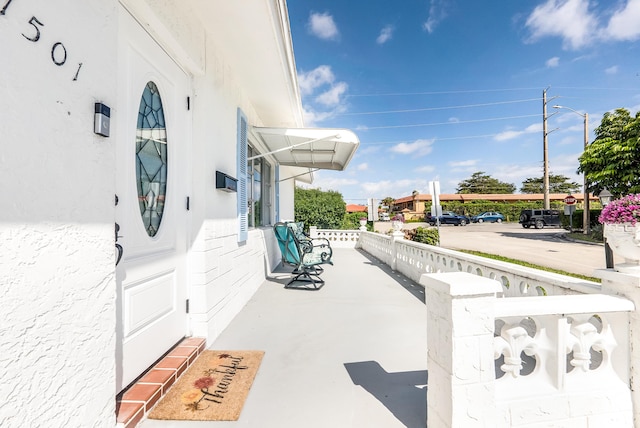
<point>586,219</point>
<point>545,154</point>
<point>545,144</point>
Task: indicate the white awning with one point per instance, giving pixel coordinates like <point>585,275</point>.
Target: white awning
<point>316,148</point>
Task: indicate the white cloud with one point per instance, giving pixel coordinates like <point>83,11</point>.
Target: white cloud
<point>417,148</point>
<point>516,174</point>
<point>394,188</point>
<point>425,168</point>
<point>568,19</point>
<point>312,117</point>
<point>367,150</point>
<point>612,70</point>
<point>315,78</point>
<point>511,134</point>
<point>623,24</point>
<point>322,26</point>
<point>333,96</point>
<point>578,26</point>
<point>465,165</point>
<point>362,167</point>
<point>553,62</point>
<point>385,35</point>
<point>328,183</point>
<point>437,13</point>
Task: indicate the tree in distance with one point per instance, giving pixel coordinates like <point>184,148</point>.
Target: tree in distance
<point>612,160</point>
<point>480,182</point>
<point>314,207</point>
<point>388,201</point>
<point>557,184</point>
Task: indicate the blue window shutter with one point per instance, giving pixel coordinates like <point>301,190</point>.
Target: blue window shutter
<point>277,190</point>
<point>243,220</point>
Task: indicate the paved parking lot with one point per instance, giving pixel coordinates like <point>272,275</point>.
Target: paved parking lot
<point>545,247</point>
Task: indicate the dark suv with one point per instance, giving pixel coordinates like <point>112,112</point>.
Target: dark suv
<point>539,218</point>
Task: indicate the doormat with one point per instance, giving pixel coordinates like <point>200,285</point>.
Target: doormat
<point>213,388</point>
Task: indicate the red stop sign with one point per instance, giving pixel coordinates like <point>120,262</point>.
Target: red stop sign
<point>570,200</point>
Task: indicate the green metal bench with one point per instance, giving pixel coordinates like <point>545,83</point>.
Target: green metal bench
<point>305,254</point>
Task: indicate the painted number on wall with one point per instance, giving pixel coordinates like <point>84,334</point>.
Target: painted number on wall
<point>58,50</point>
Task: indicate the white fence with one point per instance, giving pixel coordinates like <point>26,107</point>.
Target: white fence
<point>559,361</point>
<point>337,238</point>
<point>511,346</point>
<point>413,259</point>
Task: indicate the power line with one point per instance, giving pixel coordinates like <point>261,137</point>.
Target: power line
<point>470,91</point>
<point>439,108</point>
<point>468,137</point>
<point>449,123</point>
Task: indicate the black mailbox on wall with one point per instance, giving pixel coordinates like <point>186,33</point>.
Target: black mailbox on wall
<point>225,182</point>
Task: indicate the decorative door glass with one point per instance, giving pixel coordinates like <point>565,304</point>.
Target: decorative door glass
<point>151,159</point>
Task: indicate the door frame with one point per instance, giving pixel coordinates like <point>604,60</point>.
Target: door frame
<point>182,187</point>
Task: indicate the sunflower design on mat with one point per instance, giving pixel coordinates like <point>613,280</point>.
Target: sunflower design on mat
<point>192,398</point>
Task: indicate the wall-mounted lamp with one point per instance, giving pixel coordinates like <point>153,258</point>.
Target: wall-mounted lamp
<point>225,182</point>
<point>102,119</point>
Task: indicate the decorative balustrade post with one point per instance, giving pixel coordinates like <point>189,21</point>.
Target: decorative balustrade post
<point>313,232</point>
<point>396,236</point>
<point>628,285</point>
<point>460,326</point>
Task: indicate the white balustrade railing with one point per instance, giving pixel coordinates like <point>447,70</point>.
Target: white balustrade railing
<point>338,238</point>
<point>514,346</point>
<point>414,259</point>
<point>525,361</point>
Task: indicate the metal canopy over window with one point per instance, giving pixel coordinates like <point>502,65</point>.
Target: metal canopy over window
<point>317,148</point>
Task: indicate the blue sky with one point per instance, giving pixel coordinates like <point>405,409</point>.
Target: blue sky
<point>440,89</point>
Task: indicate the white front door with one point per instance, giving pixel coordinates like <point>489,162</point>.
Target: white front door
<point>152,149</point>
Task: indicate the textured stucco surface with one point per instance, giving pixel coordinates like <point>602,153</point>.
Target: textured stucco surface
<point>56,223</point>
<point>57,179</point>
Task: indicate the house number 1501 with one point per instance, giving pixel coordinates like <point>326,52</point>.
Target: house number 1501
<point>58,51</point>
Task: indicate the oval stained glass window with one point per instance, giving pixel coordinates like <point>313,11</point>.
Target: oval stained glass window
<point>151,159</point>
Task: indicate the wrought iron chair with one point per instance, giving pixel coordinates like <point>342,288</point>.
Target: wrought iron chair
<point>304,253</point>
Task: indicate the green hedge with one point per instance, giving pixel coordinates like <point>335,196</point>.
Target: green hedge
<point>424,235</point>
<point>510,210</point>
<point>577,218</point>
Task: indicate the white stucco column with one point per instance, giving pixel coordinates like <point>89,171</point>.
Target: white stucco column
<point>460,325</point>
<point>396,236</point>
<point>628,285</point>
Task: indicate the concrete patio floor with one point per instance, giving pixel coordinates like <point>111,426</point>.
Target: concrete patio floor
<point>352,354</point>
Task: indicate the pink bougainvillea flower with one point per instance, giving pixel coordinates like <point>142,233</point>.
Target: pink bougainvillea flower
<point>623,210</point>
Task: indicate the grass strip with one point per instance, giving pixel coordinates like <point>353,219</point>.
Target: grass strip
<point>530,265</point>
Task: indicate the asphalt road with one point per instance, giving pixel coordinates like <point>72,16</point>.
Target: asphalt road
<point>547,247</point>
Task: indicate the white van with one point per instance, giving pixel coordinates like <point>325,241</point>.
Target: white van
<point>384,217</point>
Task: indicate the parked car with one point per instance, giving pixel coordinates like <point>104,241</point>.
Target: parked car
<point>384,217</point>
<point>488,216</point>
<point>539,218</point>
<point>449,217</point>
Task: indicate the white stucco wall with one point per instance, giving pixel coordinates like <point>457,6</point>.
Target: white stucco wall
<point>57,179</point>
<point>224,274</point>
<point>57,331</point>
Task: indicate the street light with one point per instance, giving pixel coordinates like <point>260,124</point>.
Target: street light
<point>586,217</point>
<point>605,197</point>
